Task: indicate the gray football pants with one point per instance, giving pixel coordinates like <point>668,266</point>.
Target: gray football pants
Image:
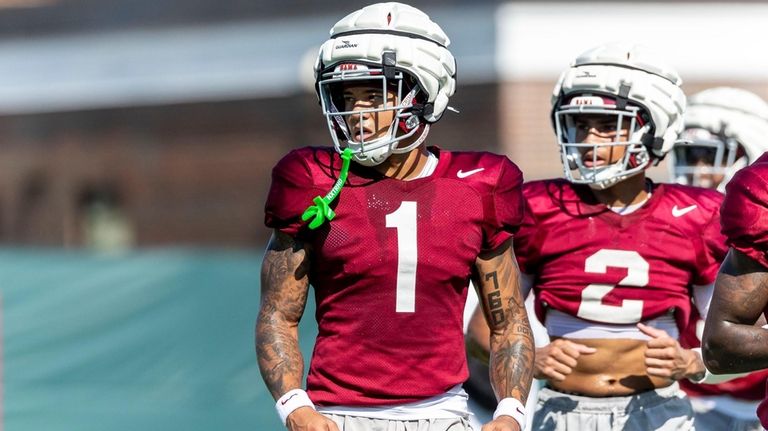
<point>664,409</point>
<point>358,423</point>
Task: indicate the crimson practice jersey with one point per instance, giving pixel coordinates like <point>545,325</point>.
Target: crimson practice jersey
<point>745,223</point>
<point>390,272</point>
<point>597,265</point>
<point>745,211</point>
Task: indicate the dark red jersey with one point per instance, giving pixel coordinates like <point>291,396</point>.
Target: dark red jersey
<point>745,211</point>
<point>745,223</point>
<point>390,272</point>
<point>600,266</point>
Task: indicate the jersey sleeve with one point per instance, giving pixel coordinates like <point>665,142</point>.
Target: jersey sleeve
<point>527,242</point>
<point>713,253</point>
<point>290,193</point>
<point>504,209</point>
<point>744,215</point>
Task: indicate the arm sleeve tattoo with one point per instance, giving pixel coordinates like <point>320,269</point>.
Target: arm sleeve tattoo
<point>512,350</point>
<point>284,287</point>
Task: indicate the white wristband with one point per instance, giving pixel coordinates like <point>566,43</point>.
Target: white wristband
<point>511,407</point>
<point>291,401</point>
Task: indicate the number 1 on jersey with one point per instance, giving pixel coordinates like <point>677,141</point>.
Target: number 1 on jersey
<point>404,220</point>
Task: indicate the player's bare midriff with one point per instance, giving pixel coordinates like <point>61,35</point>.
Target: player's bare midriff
<point>616,369</point>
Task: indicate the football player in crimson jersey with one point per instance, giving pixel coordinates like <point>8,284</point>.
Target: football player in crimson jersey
<point>390,250</point>
<point>613,258</point>
<point>732,342</point>
<point>725,130</point>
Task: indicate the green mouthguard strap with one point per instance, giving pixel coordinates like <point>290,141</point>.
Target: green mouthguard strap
<point>321,210</point>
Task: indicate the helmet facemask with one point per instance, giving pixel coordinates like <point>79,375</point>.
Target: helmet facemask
<point>371,151</point>
<point>706,159</point>
<point>589,171</point>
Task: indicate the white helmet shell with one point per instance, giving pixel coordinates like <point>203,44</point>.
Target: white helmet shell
<point>633,76</point>
<point>419,44</point>
<point>733,122</point>
<point>395,36</point>
<point>739,114</point>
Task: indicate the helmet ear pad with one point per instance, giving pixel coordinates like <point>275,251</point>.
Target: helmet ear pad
<point>409,123</point>
<point>415,115</point>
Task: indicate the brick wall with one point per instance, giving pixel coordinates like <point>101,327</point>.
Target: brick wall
<point>198,174</point>
<point>179,175</point>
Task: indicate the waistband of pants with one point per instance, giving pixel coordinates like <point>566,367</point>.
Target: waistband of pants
<point>627,403</point>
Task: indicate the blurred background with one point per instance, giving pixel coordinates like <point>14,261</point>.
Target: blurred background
<point>136,143</point>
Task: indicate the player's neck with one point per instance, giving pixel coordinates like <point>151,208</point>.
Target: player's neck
<point>631,191</point>
<point>405,166</point>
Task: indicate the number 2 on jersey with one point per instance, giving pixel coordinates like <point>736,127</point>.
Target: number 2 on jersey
<point>404,221</point>
<point>630,310</point>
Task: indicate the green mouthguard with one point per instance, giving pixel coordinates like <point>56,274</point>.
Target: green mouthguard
<point>321,210</point>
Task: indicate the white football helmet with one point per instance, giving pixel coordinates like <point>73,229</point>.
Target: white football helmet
<point>396,47</point>
<point>726,129</point>
<point>624,81</point>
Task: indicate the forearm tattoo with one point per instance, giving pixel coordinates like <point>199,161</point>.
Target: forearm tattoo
<point>284,287</point>
<point>512,348</point>
<point>495,306</point>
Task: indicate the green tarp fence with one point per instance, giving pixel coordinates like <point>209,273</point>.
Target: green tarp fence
<point>151,340</point>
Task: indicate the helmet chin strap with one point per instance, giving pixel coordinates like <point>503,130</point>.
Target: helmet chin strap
<point>374,161</point>
<point>414,144</point>
<point>321,210</point>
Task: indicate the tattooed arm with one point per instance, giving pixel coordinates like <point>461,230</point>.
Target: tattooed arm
<point>511,341</point>
<point>732,342</point>
<point>284,287</point>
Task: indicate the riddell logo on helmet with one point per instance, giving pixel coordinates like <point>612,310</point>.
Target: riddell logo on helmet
<point>586,74</point>
<point>346,44</point>
<point>347,66</point>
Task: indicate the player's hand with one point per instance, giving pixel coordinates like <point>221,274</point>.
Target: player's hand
<point>502,423</point>
<point>557,359</point>
<point>308,419</point>
<point>665,357</point>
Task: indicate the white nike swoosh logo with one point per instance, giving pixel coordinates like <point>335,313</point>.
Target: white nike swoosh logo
<point>677,212</point>
<point>462,174</point>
